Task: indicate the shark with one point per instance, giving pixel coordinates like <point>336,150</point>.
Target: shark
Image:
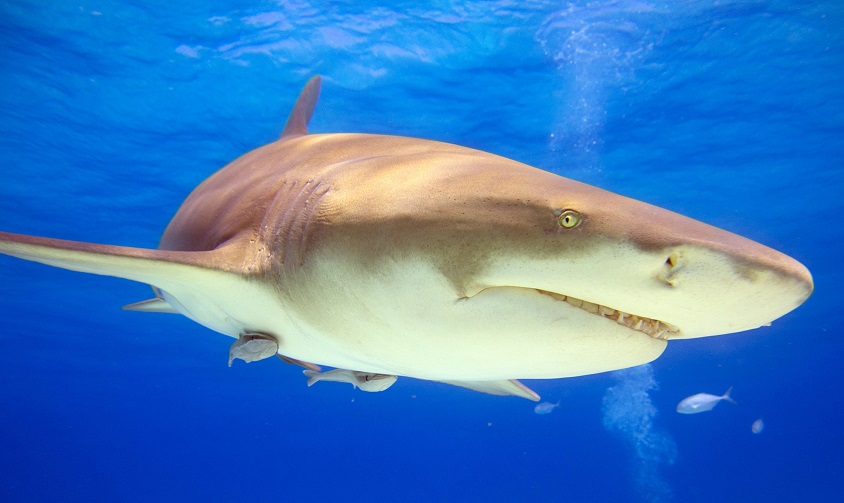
<point>385,256</point>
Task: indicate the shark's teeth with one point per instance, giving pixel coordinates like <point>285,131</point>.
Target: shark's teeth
<point>653,328</point>
<point>588,306</point>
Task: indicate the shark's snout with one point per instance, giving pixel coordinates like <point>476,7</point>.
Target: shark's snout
<point>713,290</point>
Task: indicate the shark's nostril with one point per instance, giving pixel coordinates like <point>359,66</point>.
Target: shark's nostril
<point>673,260</point>
<point>672,264</point>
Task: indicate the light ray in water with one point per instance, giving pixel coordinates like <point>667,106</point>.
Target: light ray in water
<point>628,411</point>
<point>597,49</point>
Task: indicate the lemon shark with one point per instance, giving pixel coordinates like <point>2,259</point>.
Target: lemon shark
<point>393,256</point>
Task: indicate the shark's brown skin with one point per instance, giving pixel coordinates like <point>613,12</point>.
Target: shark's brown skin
<point>401,256</point>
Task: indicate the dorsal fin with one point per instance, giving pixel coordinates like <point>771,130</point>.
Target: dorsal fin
<point>297,122</point>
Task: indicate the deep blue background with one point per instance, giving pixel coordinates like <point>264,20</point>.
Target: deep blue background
<point>111,112</point>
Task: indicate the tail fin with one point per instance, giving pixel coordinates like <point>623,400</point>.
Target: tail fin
<point>726,396</point>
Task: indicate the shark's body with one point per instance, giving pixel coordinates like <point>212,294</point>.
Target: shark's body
<point>401,256</point>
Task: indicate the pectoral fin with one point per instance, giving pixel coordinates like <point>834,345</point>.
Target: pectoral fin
<point>510,387</point>
<point>174,275</point>
<point>161,268</point>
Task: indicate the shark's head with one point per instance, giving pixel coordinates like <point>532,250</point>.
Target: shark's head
<point>645,267</point>
<point>491,223</point>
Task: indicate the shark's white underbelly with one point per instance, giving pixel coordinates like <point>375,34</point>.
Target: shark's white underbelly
<point>406,320</point>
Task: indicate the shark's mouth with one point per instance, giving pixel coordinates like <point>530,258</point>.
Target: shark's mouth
<point>650,327</point>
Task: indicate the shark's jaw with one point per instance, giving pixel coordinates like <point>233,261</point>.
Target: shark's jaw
<point>648,326</point>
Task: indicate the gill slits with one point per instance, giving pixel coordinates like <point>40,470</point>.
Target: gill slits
<point>289,235</point>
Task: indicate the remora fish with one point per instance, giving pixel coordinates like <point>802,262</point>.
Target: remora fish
<point>702,402</point>
<point>403,256</point>
<point>362,380</point>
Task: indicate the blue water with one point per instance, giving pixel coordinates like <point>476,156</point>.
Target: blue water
<point>111,112</point>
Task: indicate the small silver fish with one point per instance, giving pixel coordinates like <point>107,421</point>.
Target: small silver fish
<point>757,427</point>
<point>546,407</point>
<point>703,402</point>
<point>364,380</point>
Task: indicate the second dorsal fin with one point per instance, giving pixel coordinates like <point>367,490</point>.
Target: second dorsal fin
<point>297,122</point>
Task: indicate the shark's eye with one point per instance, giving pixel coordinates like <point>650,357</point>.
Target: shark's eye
<point>570,219</point>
